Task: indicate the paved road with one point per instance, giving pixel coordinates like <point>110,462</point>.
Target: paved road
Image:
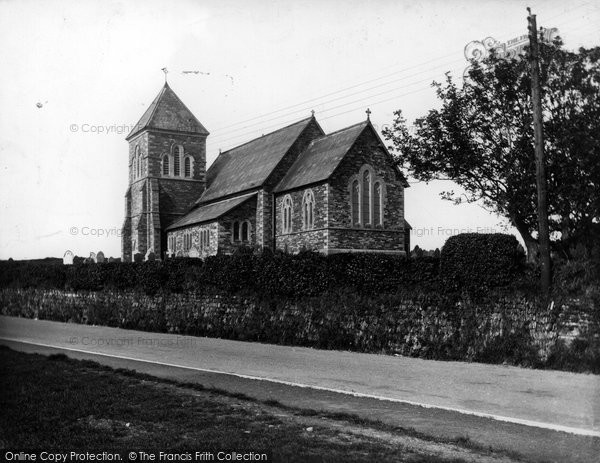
<point>384,387</point>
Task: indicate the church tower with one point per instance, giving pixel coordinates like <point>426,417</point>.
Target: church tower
<point>167,174</point>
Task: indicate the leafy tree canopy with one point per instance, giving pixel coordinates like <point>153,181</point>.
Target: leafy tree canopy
<point>482,139</point>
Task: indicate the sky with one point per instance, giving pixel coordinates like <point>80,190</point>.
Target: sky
<point>77,75</point>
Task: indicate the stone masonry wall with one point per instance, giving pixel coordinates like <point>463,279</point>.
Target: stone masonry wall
<point>203,250</point>
<point>247,211</point>
<point>402,325</point>
<point>366,151</point>
<point>388,241</point>
<point>298,239</point>
<point>263,218</point>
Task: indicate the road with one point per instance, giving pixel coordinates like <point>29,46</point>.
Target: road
<point>543,415</point>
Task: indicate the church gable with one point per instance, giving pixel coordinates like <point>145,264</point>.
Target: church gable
<point>367,190</point>
<point>320,159</point>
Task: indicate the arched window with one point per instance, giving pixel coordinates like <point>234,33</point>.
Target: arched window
<point>355,202</point>
<point>366,198</point>
<point>177,156</point>
<point>236,231</point>
<point>245,231</point>
<point>165,165</point>
<point>377,212</point>
<point>308,210</point>
<point>287,214</point>
<point>367,194</point>
<point>187,167</point>
<point>136,162</point>
<point>187,241</point>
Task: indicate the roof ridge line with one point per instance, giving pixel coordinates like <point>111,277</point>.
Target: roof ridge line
<point>347,128</point>
<point>322,137</point>
<point>270,133</point>
<point>156,100</point>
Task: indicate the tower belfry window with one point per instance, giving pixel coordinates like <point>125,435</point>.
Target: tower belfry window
<point>177,158</point>
<point>187,167</point>
<point>165,164</point>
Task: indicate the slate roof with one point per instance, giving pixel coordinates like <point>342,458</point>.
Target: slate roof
<point>318,161</point>
<point>249,165</point>
<point>167,112</point>
<point>211,211</point>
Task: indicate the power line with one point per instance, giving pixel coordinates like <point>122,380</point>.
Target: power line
<point>316,99</point>
<point>278,124</point>
<point>305,109</point>
<point>336,92</point>
<point>240,135</point>
<point>372,80</point>
<point>374,103</point>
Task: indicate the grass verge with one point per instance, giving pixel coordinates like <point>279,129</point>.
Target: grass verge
<point>57,402</point>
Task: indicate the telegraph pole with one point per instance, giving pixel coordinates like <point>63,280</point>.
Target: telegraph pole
<point>540,161</point>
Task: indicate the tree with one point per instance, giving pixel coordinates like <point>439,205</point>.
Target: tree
<point>417,251</point>
<point>482,139</point>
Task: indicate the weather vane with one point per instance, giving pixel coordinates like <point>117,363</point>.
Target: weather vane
<point>166,71</point>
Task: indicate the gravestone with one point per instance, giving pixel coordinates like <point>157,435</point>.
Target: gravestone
<point>68,258</point>
<point>193,252</point>
<point>100,257</point>
<point>138,257</point>
<point>111,259</point>
<point>92,257</point>
<point>150,256</point>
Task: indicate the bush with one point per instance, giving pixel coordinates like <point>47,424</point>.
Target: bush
<point>477,261</point>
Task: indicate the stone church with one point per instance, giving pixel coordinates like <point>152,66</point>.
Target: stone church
<point>292,189</point>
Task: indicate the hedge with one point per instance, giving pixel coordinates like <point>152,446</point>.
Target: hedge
<point>468,262</point>
<point>267,274</point>
<point>478,261</point>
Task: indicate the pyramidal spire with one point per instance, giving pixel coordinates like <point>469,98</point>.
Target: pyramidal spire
<point>167,112</point>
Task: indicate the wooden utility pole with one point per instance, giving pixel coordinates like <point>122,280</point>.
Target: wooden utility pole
<point>540,161</point>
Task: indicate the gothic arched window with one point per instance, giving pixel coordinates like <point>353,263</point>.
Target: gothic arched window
<point>355,202</point>
<point>236,231</point>
<point>287,214</point>
<point>187,166</point>
<point>377,202</point>
<point>165,165</point>
<point>245,231</point>
<point>138,162</point>
<point>177,157</point>
<point>366,198</point>
<point>308,210</point>
<point>187,241</point>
